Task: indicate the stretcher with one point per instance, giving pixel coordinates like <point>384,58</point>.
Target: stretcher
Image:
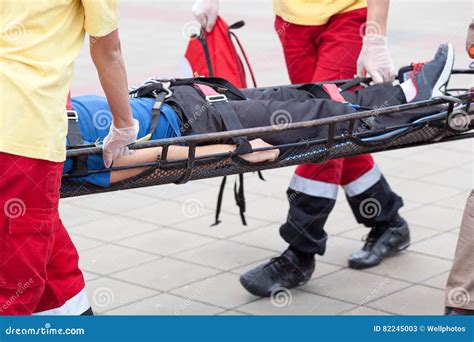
<point>454,120</point>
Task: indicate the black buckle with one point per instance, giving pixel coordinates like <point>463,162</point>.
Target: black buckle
<point>72,115</point>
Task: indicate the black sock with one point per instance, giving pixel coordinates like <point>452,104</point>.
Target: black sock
<point>302,256</point>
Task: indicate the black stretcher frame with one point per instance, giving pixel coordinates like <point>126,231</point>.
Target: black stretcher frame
<point>180,171</point>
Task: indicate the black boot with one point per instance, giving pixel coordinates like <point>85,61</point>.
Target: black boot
<point>289,270</point>
<point>383,241</point>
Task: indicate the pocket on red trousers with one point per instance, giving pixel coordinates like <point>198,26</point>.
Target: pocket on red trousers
<point>26,248</point>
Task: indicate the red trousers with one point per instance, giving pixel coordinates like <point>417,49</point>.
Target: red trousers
<point>39,271</point>
<point>323,53</point>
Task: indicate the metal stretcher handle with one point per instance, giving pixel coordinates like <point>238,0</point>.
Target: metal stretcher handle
<point>220,136</point>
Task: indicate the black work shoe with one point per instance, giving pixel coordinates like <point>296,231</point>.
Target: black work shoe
<point>431,78</point>
<point>283,272</point>
<point>382,242</point>
<point>458,312</point>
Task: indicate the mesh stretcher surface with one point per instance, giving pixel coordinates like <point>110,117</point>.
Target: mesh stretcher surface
<point>164,172</point>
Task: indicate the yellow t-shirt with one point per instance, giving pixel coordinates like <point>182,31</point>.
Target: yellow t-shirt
<point>314,12</point>
<point>39,41</point>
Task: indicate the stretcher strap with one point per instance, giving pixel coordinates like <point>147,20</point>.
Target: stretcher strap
<point>74,137</point>
<point>333,92</point>
<point>231,122</point>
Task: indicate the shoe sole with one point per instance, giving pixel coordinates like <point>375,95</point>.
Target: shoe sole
<point>445,74</point>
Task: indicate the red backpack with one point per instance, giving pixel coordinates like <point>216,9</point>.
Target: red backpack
<point>214,54</point>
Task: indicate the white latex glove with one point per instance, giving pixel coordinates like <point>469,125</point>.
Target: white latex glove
<point>115,143</point>
<point>205,12</point>
<point>375,60</point>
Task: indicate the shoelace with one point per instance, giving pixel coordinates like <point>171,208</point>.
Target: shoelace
<point>416,69</point>
<point>372,237</point>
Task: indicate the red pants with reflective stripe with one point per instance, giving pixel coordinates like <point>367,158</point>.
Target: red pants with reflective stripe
<point>323,53</point>
<point>38,262</point>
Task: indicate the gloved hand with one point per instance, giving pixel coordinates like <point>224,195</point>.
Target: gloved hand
<point>115,143</point>
<point>205,12</point>
<point>470,40</point>
<point>375,60</point>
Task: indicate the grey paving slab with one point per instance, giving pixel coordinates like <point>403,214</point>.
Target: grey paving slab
<point>364,311</point>
<point>116,202</point>
<point>90,276</point>
<point>82,244</point>
<point>271,209</point>
<point>105,294</point>
<point>267,237</point>
<point>208,196</point>
<point>354,286</point>
<point>294,302</point>
<point>167,213</point>
<point>442,246</point>
<point>438,281</point>
<point>171,190</point>
<point>457,202</point>
<point>223,290</point>
<point>165,274</point>
<point>230,255</point>
<point>339,249</point>
<point>424,192</point>
<point>166,304</point>
<point>411,267</point>
<point>165,241</point>
<point>230,225</point>
<point>453,177</point>
<point>437,218</point>
<point>231,313</point>
<point>113,228</point>
<point>72,215</point>
<point>415,300</point>
<point>110,258</point>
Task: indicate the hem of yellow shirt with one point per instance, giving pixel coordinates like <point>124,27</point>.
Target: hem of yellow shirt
<point>33,152</point>
<point>104,32</point>
<point>315,21</point>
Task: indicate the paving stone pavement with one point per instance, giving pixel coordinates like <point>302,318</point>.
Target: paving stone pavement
<point>153,251</point>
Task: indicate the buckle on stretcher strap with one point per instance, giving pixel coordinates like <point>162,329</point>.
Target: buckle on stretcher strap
<point>333,92</point>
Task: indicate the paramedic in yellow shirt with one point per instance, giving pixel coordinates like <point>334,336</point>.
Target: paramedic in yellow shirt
<point>39,42</point>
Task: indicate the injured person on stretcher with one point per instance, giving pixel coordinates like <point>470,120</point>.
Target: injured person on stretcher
<point>196,108</point>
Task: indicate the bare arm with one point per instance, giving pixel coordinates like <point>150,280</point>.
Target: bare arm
<point>106,54</point>
<point>377,15</point>
<point>181,152</point>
